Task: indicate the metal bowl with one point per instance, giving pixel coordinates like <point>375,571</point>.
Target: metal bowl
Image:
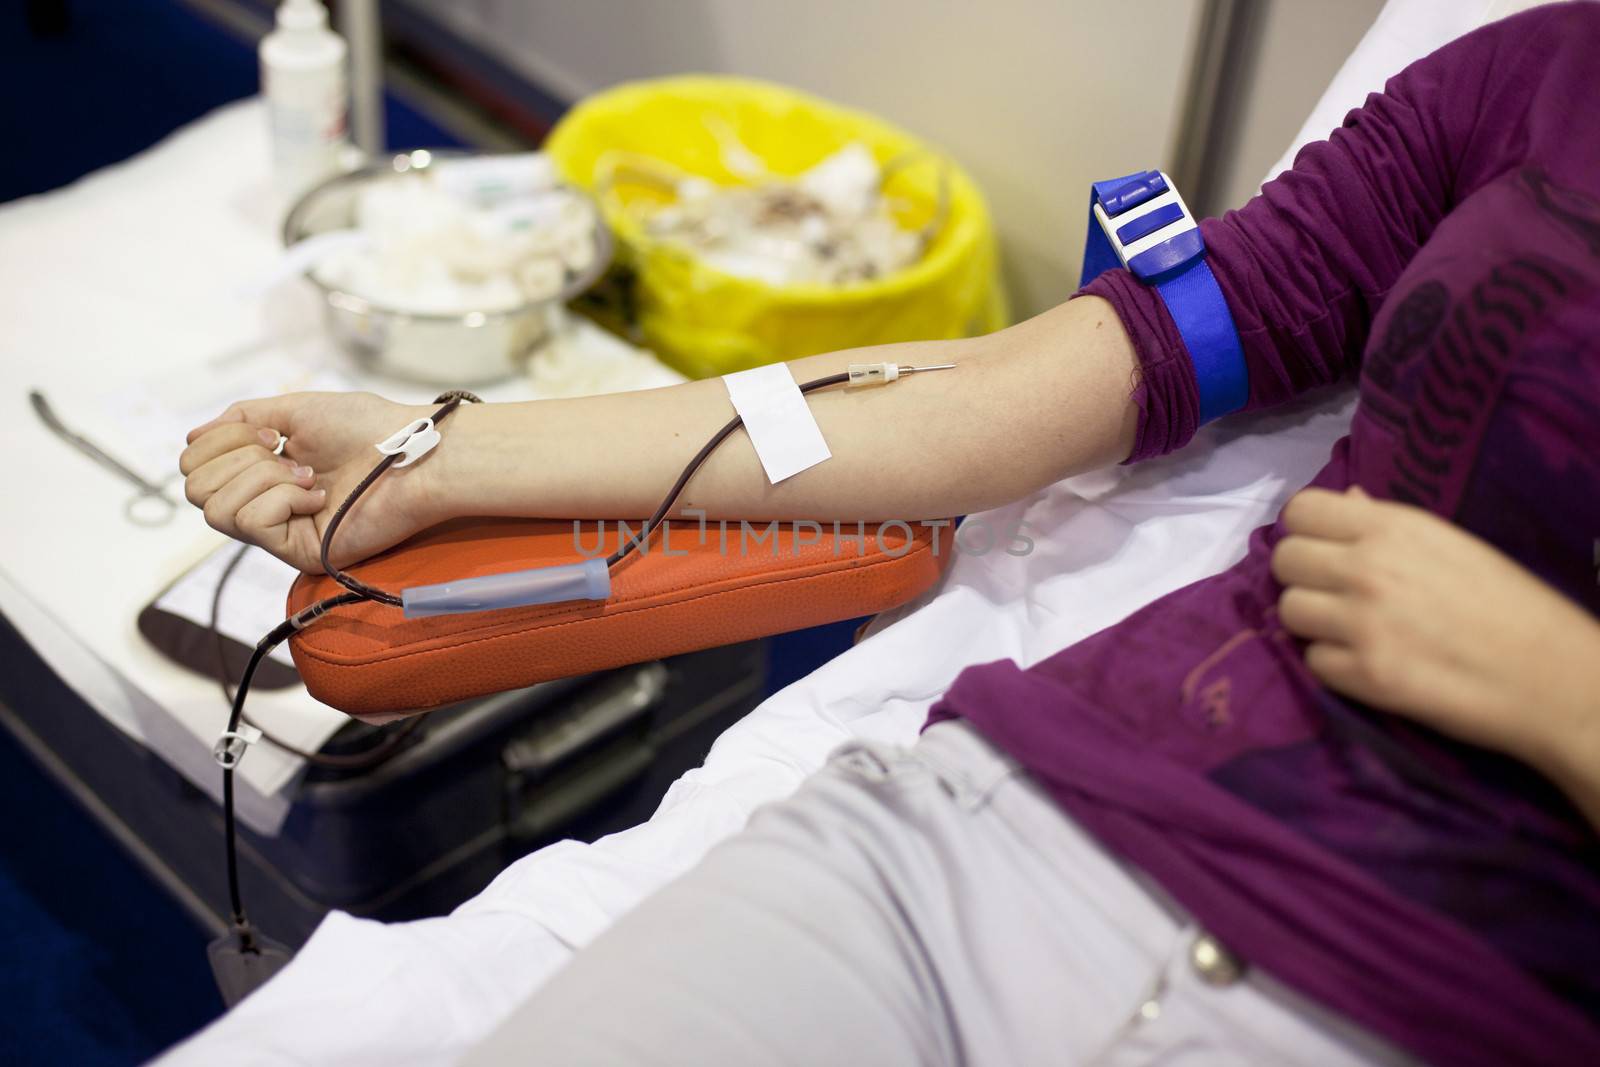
<point>473,347</point>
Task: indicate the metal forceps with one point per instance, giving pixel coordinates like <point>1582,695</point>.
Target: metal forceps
<point>150,506</point>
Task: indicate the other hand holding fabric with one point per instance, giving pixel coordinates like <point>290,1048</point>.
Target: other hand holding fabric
<point>1409,613</point>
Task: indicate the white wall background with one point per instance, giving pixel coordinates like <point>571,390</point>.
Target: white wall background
<point>1036,98</point>
<point>1302,43</point>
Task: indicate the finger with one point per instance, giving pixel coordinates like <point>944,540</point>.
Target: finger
<point>1336,666</point>
<point>233,413</point>
<point>265,519</point>
<point>1324,513</point>
<point>271,411</point>
<point>223,439</point>
<point>1316,615</point>
<point>207,479</point>
<point>1313,562</point>
<point>223,507</point>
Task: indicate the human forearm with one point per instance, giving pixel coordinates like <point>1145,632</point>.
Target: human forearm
<point>1023,408</point>
<point>1579,778</point>
<point>1568,753</point>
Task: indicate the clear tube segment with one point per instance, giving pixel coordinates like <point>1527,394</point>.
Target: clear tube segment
<point>589,580</point>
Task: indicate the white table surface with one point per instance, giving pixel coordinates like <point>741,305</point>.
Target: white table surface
<point>129,276</point>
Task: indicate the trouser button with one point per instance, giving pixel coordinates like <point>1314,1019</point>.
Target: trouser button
<point>1215,964</point>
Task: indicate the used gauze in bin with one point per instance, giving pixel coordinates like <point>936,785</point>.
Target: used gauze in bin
<point>486,606</point>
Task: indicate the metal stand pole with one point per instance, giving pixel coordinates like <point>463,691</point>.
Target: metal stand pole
<point>362,30</point>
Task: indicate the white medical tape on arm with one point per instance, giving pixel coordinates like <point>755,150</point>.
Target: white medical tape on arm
<point>778,420</point>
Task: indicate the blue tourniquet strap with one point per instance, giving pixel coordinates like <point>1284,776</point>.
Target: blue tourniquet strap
<point>1189,289</point>
<point>1098,255</point>
<point>1201,314</point>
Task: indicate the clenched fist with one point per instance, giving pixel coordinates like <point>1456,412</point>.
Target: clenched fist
<point>283,503</point>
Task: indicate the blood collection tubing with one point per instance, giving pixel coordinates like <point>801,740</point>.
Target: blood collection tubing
<point>492,592</point>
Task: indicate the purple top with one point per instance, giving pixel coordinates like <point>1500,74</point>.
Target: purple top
<point>1443,896</point>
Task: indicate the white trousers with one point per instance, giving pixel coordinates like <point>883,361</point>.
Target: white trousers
<point>927,905</point>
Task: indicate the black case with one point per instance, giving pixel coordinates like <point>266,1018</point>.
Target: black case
<point>475,787</point>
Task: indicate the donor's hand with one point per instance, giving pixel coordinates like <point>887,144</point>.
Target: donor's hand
<point>1414,615</point>
<point>283,503</point>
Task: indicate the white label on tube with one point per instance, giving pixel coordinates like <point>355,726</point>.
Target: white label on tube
<point>778,420</point>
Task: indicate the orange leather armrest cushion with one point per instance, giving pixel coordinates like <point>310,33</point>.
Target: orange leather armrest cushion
<point>681,595</point>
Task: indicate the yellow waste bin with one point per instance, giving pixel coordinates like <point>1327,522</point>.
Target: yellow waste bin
<point>707,322</point>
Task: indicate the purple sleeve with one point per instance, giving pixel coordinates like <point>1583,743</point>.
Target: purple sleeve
<point>1305,264</point>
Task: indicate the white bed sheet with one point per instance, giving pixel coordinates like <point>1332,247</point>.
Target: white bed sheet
<point>1107,543</point>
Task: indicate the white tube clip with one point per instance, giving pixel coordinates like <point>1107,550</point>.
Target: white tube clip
<point>873,373</point>
<point>230,747</point>
<point>413,441</point>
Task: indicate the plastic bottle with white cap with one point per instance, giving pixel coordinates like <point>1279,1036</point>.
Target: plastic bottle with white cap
<point>304,81</point>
